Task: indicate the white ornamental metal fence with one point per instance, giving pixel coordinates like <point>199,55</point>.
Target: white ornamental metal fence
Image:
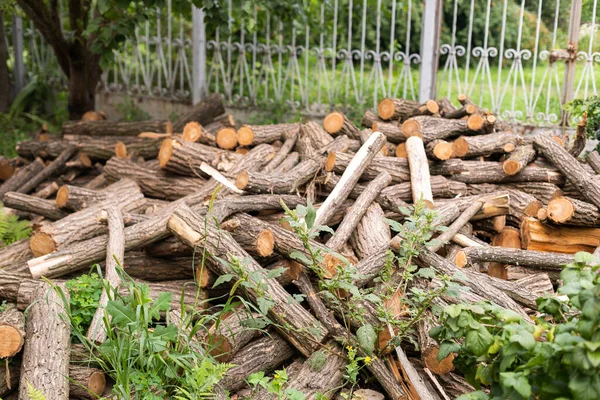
<point>522,59</point>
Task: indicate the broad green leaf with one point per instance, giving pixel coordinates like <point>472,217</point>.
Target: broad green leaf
<point>311,215</point>
<point>516,381</point>
<point>367,337</point>
<point>223,279</point>
<point>120,313</point>
<point>446,348</point>
<point>478,341</point>
<point>277,272</point>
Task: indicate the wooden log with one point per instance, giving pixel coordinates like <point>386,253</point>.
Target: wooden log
<point>77,198</point>
<point>86,383</point>
<point>493,172</point>
<point>264,354</point>
<point>311,139</point>
<point>290,161</point>
<point>252,135</point>
<point>350,177</point>
<point>536,235</point>
<point>196,232</point>
<point>542,191</point>
<point>115,254</point>
<point>231,335</point>
<point>372,232</point>
<point>593,159</point>
<point>284,151</point>
<point>35,205</point>
<point>569,211</point>
<point>579,140</point>
<point>457,225</point>
<point>491,226</point>
<point>7,168</point>
<point>184,158</point>
<point>337,123</point>
<point>356,212</point>
<point>112,128</point>
<point>523,258</point>
<point>518,159</point>
<point>21,177</point>
<point>395,109</point>
<point>462,112</point>
<point>370,118</point>
<point>431,128</point>
<point>257,244</point>
<point>439,150</point>
<point>78,226</point>
<point>391,131</point>
<point>509,237</point>
<point>419,171</point>
<point>485,145</point>
<point>153,181</point>
<point>12,331</point>
<point>257,182</point>
<point>47,191</point>
<point>396,167</point>
<point>45,321</point>
<point>55,166</point>
<point>445,106</point>
<point>14,253</point>
<point>584,181</point>
<point>203,113</point>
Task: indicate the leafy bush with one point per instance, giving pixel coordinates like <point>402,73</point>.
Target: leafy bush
<point>556,356</point>
<point>85,293</point>
<point>131,111</point>
<point>590,107</point>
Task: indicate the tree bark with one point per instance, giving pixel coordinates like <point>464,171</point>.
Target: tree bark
<point>518,159</point>
<point>55,166</point>
<point>256,243</point>
<point>283,152</point>
<point>337,123</point>
<point>398,168</point>
<point>45,364</point>
<point>22,177</point>
<point>264,354</point>
<point>356,212</point>
<point>311,139</point>
<point>231,335</point>
<point>579,140</point>
<point>420,180</point>
<point>153,182</point>
<point>349,178</point>
<point>431,128</point>
<point>485,145</point>
<point>542,191</point>
<point>252,135</point>
<point>584,181</point>
<point>203,113</point>
<point>290,161</point>
<point>371,234</point>
<point>115,253</point>
<point>112,128</point>
<point>439,150</point>
<point>195,232</point>
<point>593,159</point>
<point>524,258</point>
<point>5,92</point>
<point>79,226</point>
<point>256,182</point>
<point>493,172</point>
<point>456,226</point>
<point>14,253</point>
<point>77,198</point>
<point>536,235</point>
<point>35,205</point>
<point>88,383</point>
<point>396,109</point>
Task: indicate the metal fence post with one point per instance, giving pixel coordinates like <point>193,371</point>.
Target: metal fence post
<point>571,63</point>
<point>199,88</point>
<point>430,45</point>
<point>19,67</point>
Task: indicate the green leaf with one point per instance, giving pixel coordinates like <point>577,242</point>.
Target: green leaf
<point>583,258</point>
<point>163,302</point>
<point>478,341</point>
<point>311,215</point>
<point>524,338</point>
<point>584,387</point>
<point>264,305</point>
<point>120,313</point>
<point>516,381</point>
<point>299,256</point>
<point>277,272</point>
<point>223,279</point>
<point>427,273</point>
<point>367,337</point>
<point>446,348</point>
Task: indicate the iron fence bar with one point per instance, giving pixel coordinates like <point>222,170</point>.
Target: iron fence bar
<point>569,79</point>
<point>199,88</point>
<point>430,41</point>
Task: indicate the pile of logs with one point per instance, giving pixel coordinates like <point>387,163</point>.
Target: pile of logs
<point>152,194</point>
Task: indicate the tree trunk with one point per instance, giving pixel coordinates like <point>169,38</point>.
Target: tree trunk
<point>593,159</point>
<point>35,205</point>
<point>536,235</point>
<point>83,79</point>
<point>112,128</point>
<point>5,91</point>
<point>45,364</point>
<point>485,145</point>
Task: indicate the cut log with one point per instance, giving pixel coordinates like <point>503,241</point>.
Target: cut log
<point>462,112</point>
<point>391,131</point>
<point>112,128</point>
<point>45,320</point>
<point>226,138</point>
<point>35,205</point>
<point>542,191</point>
<point>518,159</point>
<point>485,145</point>
<point>22,177</point>
<point>290,161</point>
<point>401,151</point>
<point>536,235</point>
<point>80,161</point>
<point>372,232</point>
<point>493,172</point>
<point>396,109</point>
<point>204,112</point>
<point>79,226</point>
<point>184,158</point>
<point>153,181</point>
<point>257,182</point>
<point>192,132</point>
<point>284,151</point>
<point>445,106</point>
<point>7,168</point>
<point>356,212</point>
<point>252,135</point>
<point>55,166</point>
<point>311,139</point>
<point>523,258</point>
<point>77,198</point>
<point>264,354</point>
<point>491,226</point>
<point>86,383</point>
<point>457,225</point>
<point>231,335</point>
<point>337,123</point>
<point>196,232</point>
<point>12,331</point>
<point>14,253</point>
<point>419,171</point>
<point>115,254</point>
<point>431,128</point>
<point>569,211</point>
<point>398,168</point>
<point>508,238</point>
<point>370,118</point>
<point>439,150</point>
<point>593,159</point>
<point>258,244</point>
<point>584,181</point>
<point>46,191</point>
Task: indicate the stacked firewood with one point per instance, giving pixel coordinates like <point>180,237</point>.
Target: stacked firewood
<point>516,207</point>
